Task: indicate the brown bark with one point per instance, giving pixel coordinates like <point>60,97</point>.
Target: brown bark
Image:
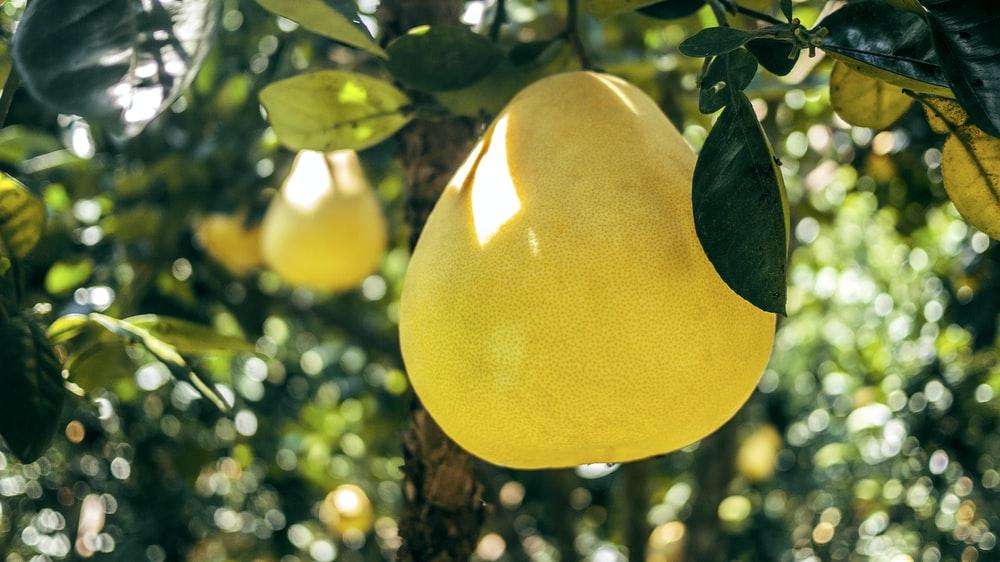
<point>443,509</point>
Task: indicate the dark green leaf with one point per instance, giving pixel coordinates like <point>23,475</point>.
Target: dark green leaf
<point>735,68</point>
<point>740,212</point>
<point>885,43</point>
<point>336,19</point>
<point>188,337</point>
<point>22,218</point>
<point>32,398</point>
<point>442,58</point>
<point>532,52</point>
<point>333,109</point>
<point>714,41</point>
<point>778,57</point>
<point>672,9</point>
<point>967,38</point>
<point>116,61</point>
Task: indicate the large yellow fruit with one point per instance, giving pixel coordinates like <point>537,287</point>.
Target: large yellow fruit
<point>228,241</point>
<point>559,309</point>
<point>325,230</point>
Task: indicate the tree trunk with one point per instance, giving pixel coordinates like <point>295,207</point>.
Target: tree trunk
<point>714,470</point>
<point>443,509</point>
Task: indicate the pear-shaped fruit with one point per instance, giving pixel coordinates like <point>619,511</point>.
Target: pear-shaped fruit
<point>227,240</point>
<point>325,230</point>
<point>559,308</point>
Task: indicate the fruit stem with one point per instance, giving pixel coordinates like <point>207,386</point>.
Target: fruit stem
<point>572,32</point>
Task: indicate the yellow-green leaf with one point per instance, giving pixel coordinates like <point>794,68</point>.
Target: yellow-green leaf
<point>63,276</point>
<point>971,168</point>
<point>323,18</point>
<point>22,217</point>
<point>943,114</point>
<point>864,101</point>
<point>189,337</point>
<point>333,109</point>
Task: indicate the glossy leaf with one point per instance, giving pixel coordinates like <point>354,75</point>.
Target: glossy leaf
<point>714,41</point>
<point>891,45</point>
<point>188,337</point>
<point>64,276</point>
<point>740,211</point>
<point>22,218</point>
<point>672,9</point>
<point>115,61</point>
<point>333,110</point>
<point>778,57</point>
<point>908,5</point>
<point>734,69</point>
<point>967,39</point>
<point>786,9</point>
<point>864,101</point>
<point>442,58</point>
<point>67,327</point>
<point>32,397</point>
<point>335,19</point>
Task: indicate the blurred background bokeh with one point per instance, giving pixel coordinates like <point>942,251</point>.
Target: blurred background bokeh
<point>872,435</point>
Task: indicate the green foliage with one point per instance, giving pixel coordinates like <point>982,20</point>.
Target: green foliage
<point>32,398</point>
<point>122,67</point>
<point>437,58</point>
<point>333,110</point>
<point>734,69</point>
<point>739,207</point>
<point>336,19</point>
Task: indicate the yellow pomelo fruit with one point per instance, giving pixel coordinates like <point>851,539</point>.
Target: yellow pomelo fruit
<point>347,509</point>
<point>559,309</point>
<point>228,241</point>
<point>757,456</point>
<point>325,230</point>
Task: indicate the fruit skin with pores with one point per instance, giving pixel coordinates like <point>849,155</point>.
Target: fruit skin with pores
<point>559,309</point>
<point>228,241</point>
<point>325,230</point>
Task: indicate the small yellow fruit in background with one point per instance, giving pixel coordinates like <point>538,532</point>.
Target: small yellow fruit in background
<point>325,230</point>
<point>228,241</point>
<point>666,543</point>
<point>559,309</point>
<point>757,456</point>
<point>347,510</point>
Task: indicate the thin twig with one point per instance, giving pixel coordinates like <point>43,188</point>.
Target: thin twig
<point>9,89</point>
<point>573,34</point>
<point>720,12</point>
<point>498,18</point>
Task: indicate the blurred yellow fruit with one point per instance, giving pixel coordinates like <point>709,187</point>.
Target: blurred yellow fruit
<point>228,241</point>
<point>757,456</point>
<point>666,543</point>
<point>347,510</point>
<point>559,309</point>
<point>325,230</point>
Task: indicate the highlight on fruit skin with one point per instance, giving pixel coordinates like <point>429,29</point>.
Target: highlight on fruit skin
<point>325,230</point>
<point>559,309</point>
<point>229,242</point>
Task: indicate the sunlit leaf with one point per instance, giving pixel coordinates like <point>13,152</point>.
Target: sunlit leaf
<point>333,109</point>
<point>115,61</point>
<point>864,101</point>
<point>22,218</point>
<point>32,393</point>
<point>967,39</point>
<point>98,365</point>
<point>740,210</point>
<point>336,19</point>
<point>442,58</point>
<point>943,114</point>
<point>188,337</point>
<point>64,276</point>
<point>67,327</point>
<point>891,45</point>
